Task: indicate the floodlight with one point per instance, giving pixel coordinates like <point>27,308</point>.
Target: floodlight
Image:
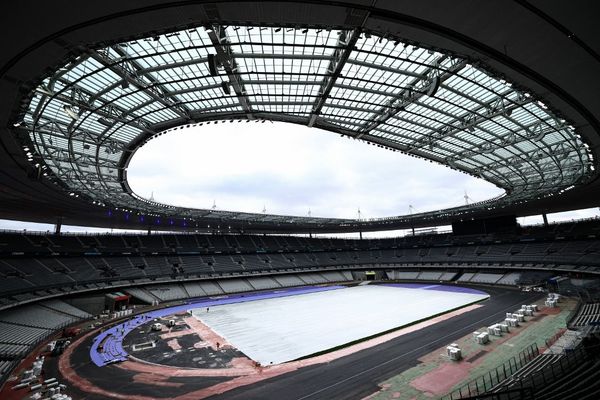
<point>70,112</point>
<point>104,121</point>
<point>433,86</point>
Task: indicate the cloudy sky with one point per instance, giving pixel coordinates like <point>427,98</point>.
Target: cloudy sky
<point>291,169</point>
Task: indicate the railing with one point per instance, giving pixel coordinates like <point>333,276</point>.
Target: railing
<point>17,359</point>
<point>512,394</point>
<point>554,338</point>
<point>486,382</point>
<point>573,314</point>
<point>552,372</point>
<point>532,383</point>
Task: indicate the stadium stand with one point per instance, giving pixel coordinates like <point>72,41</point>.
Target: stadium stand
<point>265,283</point>
<point>235,285</point>
<point>193,289</point>
<point>174,268</point>
<point>22,328</point>
<point>159,293</point>
<point>288,280</point>
<point>37,316</point>
<point>466,277</point>
<point>25,276</point>
<point>167,292</point>
<point>177,267</point>
<point>6,366</point>
<point>509,279</point>
<point>569,376</point>
<point>486,278</point>
<point>142,294</point>
<point>476,97</point>
<point>430,276</point>
<point>404,275</point>
<point>588,314</point>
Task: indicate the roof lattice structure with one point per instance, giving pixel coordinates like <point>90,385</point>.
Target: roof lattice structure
<point>88,118</point>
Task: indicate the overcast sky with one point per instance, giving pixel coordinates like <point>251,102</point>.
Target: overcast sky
<point>291,169</point>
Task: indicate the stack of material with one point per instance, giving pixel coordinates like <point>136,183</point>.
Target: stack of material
<point>454,352</point>
<point>37,366</point>
<point>550,301</point>
<point>494,330</point>
<point>519,316</point>
<point>481,337</point>
<point>526,310</point>
<point>122,313</point>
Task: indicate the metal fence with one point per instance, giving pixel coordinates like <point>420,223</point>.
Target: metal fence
<point>552,372</point>
<point>571,317</point>
<point>528,385</point>
<point>513,394</point>
<point>486,382</point>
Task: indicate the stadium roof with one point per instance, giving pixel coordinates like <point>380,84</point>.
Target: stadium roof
<point>79,122</point>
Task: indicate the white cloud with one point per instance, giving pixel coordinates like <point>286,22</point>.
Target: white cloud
<point>289,169</point>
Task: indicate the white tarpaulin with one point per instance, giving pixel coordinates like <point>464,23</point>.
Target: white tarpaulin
<point>277,330</point>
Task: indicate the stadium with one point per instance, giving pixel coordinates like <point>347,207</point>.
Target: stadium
<point>181,302</point>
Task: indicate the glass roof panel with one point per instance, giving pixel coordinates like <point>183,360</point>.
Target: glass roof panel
<point>381,89</point>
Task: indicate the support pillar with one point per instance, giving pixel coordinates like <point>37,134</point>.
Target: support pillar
<point>149,231</point>
<point>58,226</point>
<point>360,235</point>
<point>545,219</point>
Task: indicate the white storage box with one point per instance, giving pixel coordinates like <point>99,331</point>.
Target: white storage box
<point>483,338</point>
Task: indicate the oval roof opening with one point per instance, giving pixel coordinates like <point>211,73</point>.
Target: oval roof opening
<point>290,169</point>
